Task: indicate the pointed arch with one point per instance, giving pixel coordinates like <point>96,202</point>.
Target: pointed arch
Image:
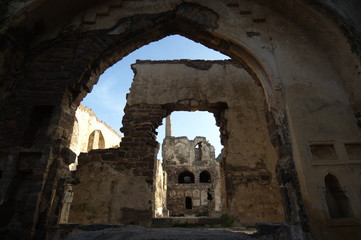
<point>96,140</point>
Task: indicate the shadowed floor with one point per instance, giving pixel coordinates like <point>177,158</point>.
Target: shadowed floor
<point>131,232</point>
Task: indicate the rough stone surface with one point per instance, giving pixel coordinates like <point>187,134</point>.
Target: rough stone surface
<point>306,58</point>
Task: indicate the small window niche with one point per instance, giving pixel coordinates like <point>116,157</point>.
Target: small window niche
<point>96,140</point>
<point>198,152</point>
<point>337,201</point>
<point>205,177</point>
<point>353,151</point>
<point>323,152</point>
<point>186,177</point>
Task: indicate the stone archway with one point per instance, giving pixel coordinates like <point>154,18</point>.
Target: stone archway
<point>79,59</point>
<point>98,50</point>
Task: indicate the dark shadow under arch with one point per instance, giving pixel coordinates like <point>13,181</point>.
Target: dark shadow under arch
<point>186,177</point>
<point>205,177</point>
<point>337,201</point>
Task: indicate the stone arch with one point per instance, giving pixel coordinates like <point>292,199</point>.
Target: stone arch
<point>96,140</point>
<point>337,201</point>
<point>186,177</point>
<point>85,74</point>
<point>170,24</point>
<point>205,177</point>
<point>90,76</point>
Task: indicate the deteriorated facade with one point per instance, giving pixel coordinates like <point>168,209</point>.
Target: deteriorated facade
<point>193,185</point>
<point>303,56</point>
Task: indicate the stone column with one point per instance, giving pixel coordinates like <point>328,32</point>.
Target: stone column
<point>168,127</point>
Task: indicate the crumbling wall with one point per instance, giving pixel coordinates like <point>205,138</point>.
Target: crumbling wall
<point>252,192</point>
<point>116,185</point>
<point>107,194</point>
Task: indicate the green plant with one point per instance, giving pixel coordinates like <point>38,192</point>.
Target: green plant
<point>227,220</point>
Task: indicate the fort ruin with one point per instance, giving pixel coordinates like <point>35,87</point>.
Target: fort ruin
<point>301,62</point>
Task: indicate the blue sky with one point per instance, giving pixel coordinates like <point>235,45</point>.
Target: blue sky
<point>107,99</point>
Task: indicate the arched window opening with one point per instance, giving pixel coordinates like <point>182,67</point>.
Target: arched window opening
<point>188,203</point>
<point>186,177</point>
<point>96,140</point>
<point>198,152</point>
<point>336,199</point>
<point>205,177</point>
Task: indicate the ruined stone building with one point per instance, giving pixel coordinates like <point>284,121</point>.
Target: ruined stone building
<point>288,107</point>
<point>193,176</point>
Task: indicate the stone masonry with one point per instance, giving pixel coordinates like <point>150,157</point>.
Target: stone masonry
<point>301,96</point>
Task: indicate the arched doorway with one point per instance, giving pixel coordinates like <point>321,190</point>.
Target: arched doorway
<point>337,201</point>
<point>182,28</point>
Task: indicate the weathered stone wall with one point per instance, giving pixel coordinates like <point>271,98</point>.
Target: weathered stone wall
<point>116,185</point>
<point>194,156</point>
<point>110,194</point>
<point>252,191</point>
<point>53,52</point>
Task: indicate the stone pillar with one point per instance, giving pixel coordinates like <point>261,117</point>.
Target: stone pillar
<point>168,127</point>
<point>95,144</point>
<point>67,200</point>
